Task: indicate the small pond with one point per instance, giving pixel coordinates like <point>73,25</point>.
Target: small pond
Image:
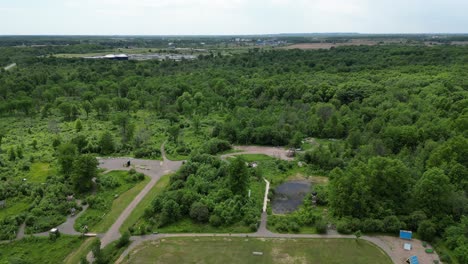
<point>289,196</point>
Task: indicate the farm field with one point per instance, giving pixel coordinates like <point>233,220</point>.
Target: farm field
<point>239,250</point>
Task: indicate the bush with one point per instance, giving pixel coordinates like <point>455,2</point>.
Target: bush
<point>348,226</point>
<point>215,145</point>
<point>123,240</point>
<point>427,230</point>
<point>147,153</point>
<point>215,220</point>
<point>391,224</point>
<point>372,225</point>
<point>321,226</point>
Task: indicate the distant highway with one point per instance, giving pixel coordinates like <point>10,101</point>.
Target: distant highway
<point>10,66</point>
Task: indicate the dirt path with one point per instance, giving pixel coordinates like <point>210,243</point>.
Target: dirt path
<point>276,152</point>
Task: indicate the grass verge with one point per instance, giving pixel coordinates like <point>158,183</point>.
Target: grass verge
<point>76,256</point>
<point>134,219</point>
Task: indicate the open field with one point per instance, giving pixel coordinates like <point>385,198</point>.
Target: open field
<point>38,250</point>
<point>239,250</point>
<point>352,42</point>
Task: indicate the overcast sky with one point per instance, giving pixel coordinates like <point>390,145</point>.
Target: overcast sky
<point>195,17</point>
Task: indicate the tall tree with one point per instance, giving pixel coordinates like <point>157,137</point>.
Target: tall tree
<point>66,154</point>
<point>84,170</point>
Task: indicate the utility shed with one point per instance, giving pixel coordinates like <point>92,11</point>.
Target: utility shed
<point>406,234</point>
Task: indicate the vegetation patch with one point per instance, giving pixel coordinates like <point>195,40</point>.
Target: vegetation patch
<point>38,250</point>
<point>116,190</point>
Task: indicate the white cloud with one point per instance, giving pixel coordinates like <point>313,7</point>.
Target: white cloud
<point>230,17</point>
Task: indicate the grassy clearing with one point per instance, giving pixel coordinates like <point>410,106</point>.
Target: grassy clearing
<point>99,220</point>
<point>255,157</point>
<point>75,256</point>
<point>239,250</point>
<point>39,172</point>
<point>135,218</point>
<point>38,250</point>
<point>14,207</point>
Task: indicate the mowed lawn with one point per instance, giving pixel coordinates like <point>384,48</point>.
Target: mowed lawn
<point>39,172</point>
<point>240,250</point>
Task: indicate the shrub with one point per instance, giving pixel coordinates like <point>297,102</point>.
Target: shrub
<point>215,145</point>
<point>321,226</point>
<point>392,224</point>
<point>215,220</point>
<point>123,240</point>
<point>427,230</point>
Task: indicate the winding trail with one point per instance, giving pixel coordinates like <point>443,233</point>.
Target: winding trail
<point>153,168</point>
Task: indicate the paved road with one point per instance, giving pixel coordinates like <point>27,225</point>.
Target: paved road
<point>67,227</point>
<point>10,66</point>
<point>153,168</point>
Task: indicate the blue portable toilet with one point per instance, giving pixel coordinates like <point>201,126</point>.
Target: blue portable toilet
<point>413,260</point>
<point>406,234</point>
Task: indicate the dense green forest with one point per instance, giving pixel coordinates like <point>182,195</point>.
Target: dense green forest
<point>397,116</point>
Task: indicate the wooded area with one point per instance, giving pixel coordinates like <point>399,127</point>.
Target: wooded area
<point>397,116</point>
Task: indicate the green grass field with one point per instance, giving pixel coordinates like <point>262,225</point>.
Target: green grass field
<point>99,220</point>
<point>39,172</point>
<point>239,250</point>
<point>38,250</point>
<point>14,207</point>
<point>136,216</point>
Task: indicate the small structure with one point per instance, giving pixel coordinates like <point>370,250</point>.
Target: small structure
<point>412,260</point>
<point>290,153</point>
<point>252,165</point>
<point>2,203</point>
<point>407,246</point>
<point>70,198</point>
<point>406,234</point>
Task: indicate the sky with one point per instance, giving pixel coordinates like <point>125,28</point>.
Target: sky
<point>232,17</point>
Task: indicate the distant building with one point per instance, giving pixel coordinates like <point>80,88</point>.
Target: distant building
<point>110,57</point>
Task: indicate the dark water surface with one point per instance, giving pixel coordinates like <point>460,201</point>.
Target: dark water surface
<point>289,196</point>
